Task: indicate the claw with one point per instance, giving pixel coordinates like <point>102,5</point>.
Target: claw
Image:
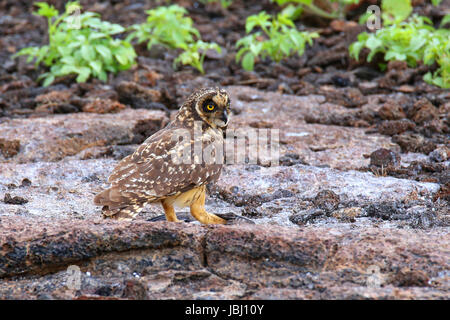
<point>230,217</point>
<point>234,218</point>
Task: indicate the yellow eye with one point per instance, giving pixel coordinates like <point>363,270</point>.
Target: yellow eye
<point>210,107</point>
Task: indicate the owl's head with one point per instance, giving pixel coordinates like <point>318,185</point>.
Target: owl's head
<point>212,105</point>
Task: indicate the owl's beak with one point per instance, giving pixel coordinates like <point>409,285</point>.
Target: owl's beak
<point>224,117</point>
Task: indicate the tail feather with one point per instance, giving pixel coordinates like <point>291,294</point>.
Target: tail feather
<point>117,206</point>
<point>109,196</point>
<point>126,213</point>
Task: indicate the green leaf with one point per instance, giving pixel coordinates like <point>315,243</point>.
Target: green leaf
<point>96,66</point>
<point>83,74</point>
<point>96,35</point>
<point>45,10</point>
<point>416,43</point>
<point>64,51</point>
<point>121,58</point>
<point>69,60</point>
<point>104,52</point>
<point>48,80</point>
<point>373,43</point>
<point>392,55</point>
<point>292,12</point>
<point>102,76</point>
<point>248,61</point>
<point>396,10</point>
<point>240,53</point>
<point>256,48</point>
<point>67,69</point>
<point>260,20</point>
<point>87,52</point>
<point>285,47</point>
<point>283,39</point>
<point>445,20</point>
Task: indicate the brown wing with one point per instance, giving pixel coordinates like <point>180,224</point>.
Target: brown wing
<point>150,172</point>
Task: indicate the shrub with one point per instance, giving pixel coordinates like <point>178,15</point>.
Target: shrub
<point>279,39</point>
<point>411,41</point>
<point>224,3</point>
<point>335,6</point>
<point>169,27</point>
<point>87,49</point>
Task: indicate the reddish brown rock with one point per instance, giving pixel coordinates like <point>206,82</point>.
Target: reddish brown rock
<point>397,73</point>
<point>352,248</point>
<point>413,143</point>
<point>250,256</point>
<point>137,96</point>
<point>407,277</point>
<point>384,158</point>
<point>347,214</point>
<point>55,102</point>
<point>423,111</point>
<point>440,154</point>
<point>54,97</point>
<point>58,136</point>
<point>103,106</point>
<point>309,126</point>
<point>342,25</point>
<point>326,200</point>
<point>391,110</point>
<point>139,260</point>
<point>396,65</point>
<point>42,245</point>
<point>14,199</point>
<point>347,97</point>
<point>9,148</point>
<point>393,127</point>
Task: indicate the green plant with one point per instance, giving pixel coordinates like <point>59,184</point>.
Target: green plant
<point>411,41</point>
<point>195,54</point>
<point>224,3</point>
<point>395,11</point>
<point>436,2</point>
<point>79,45</point>
<point>335,6</point>
<point>279,39</point>
<point>171,28</point>
<point>167,26</point>
<point>438,50</point>
<point>445,20</point>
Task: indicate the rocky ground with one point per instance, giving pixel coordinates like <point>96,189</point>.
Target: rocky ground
<point>325,217</point>
<point>356,208</point>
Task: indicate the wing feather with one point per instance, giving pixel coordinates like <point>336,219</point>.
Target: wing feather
<point>151,172</point>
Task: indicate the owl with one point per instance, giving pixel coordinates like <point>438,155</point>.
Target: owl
<point>170,167</point>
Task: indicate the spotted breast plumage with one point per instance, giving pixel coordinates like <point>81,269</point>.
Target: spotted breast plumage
<point>170,166</point>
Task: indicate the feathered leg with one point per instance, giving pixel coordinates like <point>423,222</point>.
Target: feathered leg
<point>198,211</point>
<point>169,211</point>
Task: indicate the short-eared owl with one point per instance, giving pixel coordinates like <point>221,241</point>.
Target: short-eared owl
<point>158,171</point>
